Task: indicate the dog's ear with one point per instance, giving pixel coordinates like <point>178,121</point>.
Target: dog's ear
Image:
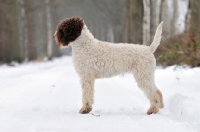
<point>69,30</point>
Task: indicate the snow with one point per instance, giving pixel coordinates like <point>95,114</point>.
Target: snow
<point>46,97</point>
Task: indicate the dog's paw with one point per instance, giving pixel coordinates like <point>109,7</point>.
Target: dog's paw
<point>85,110</point>
<point>152,110</point>
<point>161,106</point>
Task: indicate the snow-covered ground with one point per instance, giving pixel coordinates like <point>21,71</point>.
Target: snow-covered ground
<point>46,97</point>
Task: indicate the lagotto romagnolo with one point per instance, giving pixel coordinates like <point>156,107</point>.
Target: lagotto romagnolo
<point>95,59</point>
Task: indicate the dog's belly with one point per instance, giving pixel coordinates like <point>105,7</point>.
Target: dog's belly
<point>108,74</point>
<point>106,70</point>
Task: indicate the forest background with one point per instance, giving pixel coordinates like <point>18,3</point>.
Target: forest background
<point>27,27</point>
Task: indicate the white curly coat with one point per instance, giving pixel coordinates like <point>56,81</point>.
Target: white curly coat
<point>95,59</point>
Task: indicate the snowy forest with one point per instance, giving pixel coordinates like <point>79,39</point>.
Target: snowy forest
<point>27,26</point>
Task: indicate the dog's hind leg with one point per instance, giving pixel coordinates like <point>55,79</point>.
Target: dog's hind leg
<point>145,81</point>
<point>87,85</point>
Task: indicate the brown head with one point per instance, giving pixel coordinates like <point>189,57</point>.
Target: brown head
<point>68,31</point>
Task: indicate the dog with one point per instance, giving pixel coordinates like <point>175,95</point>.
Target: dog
<point>94,59</point>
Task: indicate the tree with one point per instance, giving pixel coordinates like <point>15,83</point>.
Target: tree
<point>179,19</point>
<point>49,30</point>
<point>133,21</point>
<point>23,30</point>
<point>195,16</point>
<point>155,15</point>
<point>146,22</point>
<point>9,44</point>
<point>129,23</point>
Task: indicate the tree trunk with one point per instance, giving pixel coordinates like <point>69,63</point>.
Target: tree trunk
<point>188,18</point>
<point>180,12</point>
<point>49,30</point>
<point>195,16</point>
<point>110,34</point>
<point>15,32</point>
<point>166,17</point>
<point>128,33</point>
<point>146,22</point>
<point>155,16</point>
<point>23,33</point>
<point>137,21</point>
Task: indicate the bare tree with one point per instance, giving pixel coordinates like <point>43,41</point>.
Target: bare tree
<point>23,33</point>
<point>166,16</point>
<point>146,22</point>
<point>180,12</point>
<point>9,45</point>
<point>49,30</point>
<point>129,19</point>
<point>155,15</point>
<point>195,16</point>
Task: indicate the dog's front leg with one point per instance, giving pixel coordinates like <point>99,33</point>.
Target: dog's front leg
<point>87,95</point>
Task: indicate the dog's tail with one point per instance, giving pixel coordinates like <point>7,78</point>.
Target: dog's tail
<point>157,38</point>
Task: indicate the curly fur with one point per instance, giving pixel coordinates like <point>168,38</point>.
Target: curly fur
<point>95,59</point>
<point>68,30</point>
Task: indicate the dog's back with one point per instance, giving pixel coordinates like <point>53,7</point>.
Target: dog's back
<point>104,59</point>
